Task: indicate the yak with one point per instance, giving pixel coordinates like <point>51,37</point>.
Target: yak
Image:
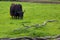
<point>16,11</point>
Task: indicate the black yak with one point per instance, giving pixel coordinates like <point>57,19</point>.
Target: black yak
<point>16,11</point>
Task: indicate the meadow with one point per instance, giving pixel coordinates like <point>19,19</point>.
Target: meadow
<point>35,13</point>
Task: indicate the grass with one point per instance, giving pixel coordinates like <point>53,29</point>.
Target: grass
<point>35,13</point>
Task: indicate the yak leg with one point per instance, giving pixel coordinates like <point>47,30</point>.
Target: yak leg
<point>21,15</point>
<point>15,17</point>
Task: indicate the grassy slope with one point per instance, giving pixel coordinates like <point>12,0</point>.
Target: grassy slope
<point>35,13</point>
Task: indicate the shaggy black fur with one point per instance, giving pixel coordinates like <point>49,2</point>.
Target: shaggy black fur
<point>16,11</point>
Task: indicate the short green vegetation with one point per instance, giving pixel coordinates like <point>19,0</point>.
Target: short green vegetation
<point>35,13</point>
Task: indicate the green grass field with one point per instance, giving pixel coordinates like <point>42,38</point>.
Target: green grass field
<point>35,13</point>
